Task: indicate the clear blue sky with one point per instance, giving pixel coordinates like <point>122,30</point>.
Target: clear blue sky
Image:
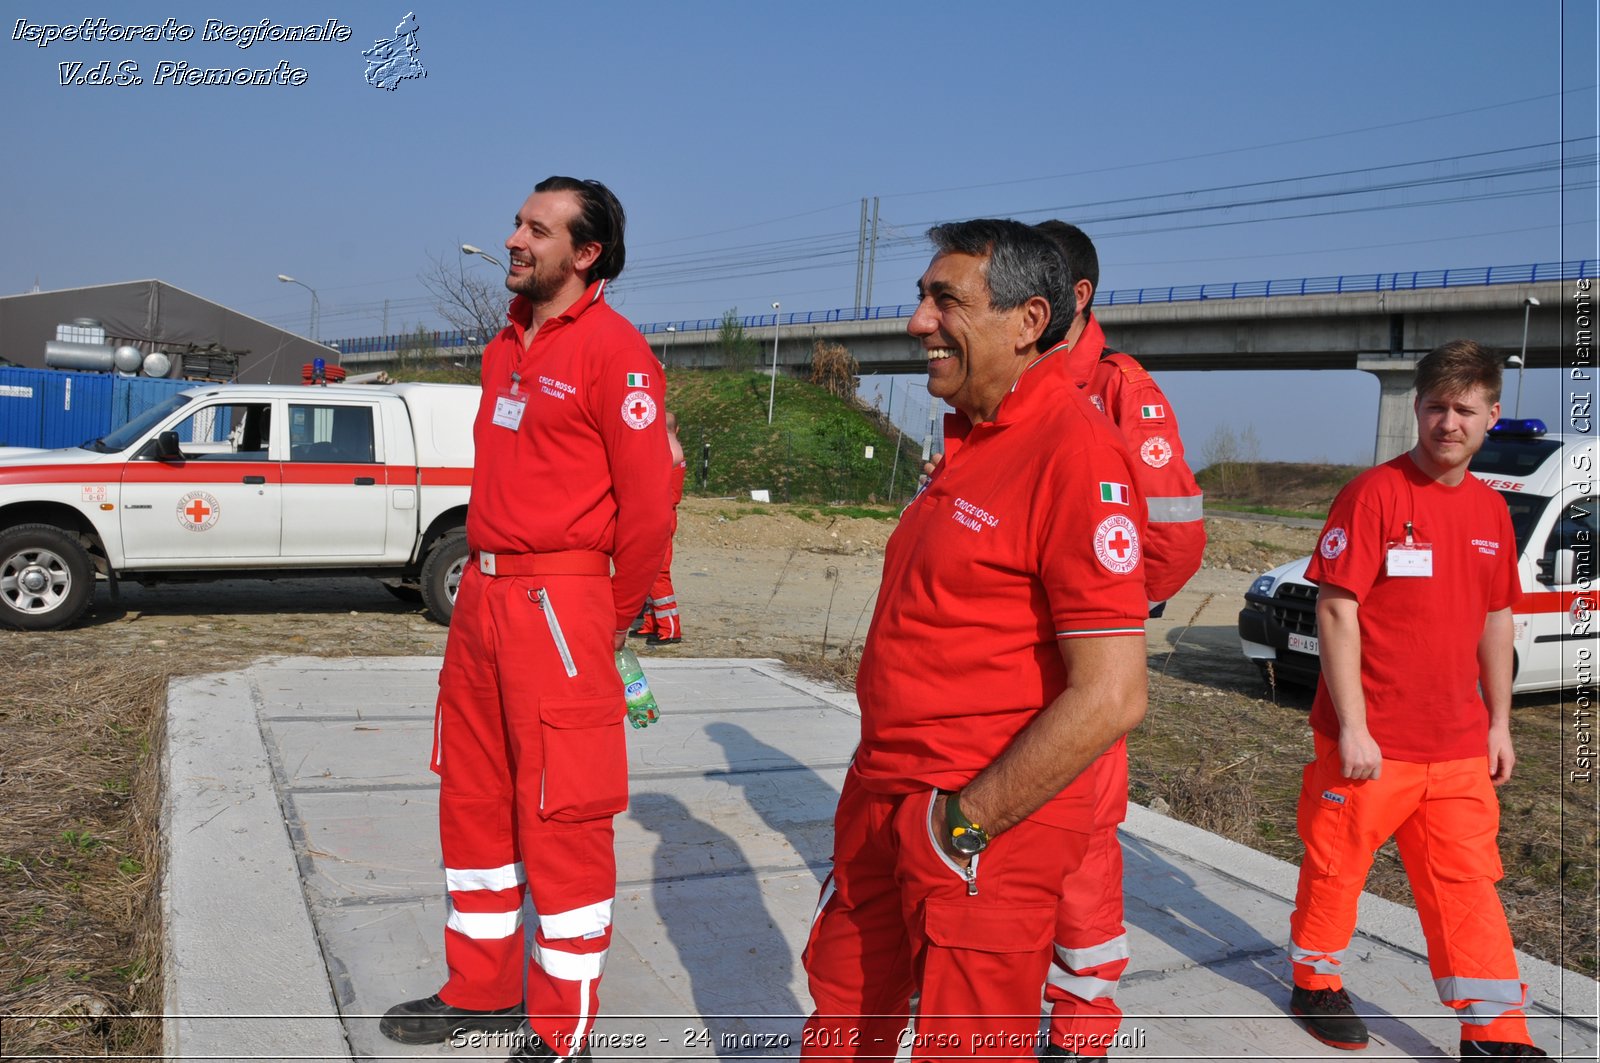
<point>741,137</point>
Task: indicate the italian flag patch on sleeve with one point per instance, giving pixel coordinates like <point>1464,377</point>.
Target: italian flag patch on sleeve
<point>638,380</point>
<point>1117,493</point>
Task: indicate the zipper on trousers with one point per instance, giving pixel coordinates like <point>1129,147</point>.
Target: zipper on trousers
<point>969,873</point>
<point>555,632</point>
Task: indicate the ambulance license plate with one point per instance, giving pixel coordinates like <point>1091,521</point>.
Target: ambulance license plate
<point>1303,643</point>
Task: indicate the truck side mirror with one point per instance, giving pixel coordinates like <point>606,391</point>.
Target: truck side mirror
<point>167,448</point>
<point>1559,568</point>
<point>1566,567</point>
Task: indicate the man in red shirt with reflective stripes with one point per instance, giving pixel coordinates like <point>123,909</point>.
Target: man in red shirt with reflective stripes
<point>1416,573</point>
<point>1091,946</point>
<point>1005,654</point>
<point>529,741</point>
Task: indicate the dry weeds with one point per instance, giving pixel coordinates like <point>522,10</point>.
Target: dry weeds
<point>81,860</point>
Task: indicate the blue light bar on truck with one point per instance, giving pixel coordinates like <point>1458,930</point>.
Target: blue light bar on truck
<point>1531,427</point>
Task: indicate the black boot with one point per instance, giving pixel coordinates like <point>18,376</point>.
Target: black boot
<point>430,1021</point>
<point>1329,1017</point>
<point>1500,1050</point>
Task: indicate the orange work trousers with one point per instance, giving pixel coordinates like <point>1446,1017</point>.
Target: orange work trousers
<point>1444,817</point>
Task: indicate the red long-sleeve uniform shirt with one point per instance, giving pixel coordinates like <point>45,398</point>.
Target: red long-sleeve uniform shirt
<point>1122,390</point>
<point>582,470</point>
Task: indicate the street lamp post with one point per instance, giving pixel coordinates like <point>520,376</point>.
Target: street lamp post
<point>1527,308</point>
<point>772,390</point>
<point>316,308</point>
<point>672,330</point>
<point>468,249</point>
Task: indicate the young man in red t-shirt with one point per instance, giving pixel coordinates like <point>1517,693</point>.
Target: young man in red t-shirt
<point>1417,574</point>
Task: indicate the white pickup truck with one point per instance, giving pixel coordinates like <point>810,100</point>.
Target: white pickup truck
<point>230,481</point>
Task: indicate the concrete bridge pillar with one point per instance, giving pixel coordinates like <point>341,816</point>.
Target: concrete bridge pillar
<point>1397,424</point>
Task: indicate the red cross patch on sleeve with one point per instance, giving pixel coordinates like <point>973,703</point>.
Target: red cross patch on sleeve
<point>638,410</point>
<point>1155,452</point>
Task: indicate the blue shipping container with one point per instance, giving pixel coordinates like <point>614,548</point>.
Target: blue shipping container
<point>132,395</point>
<point>51,408</point>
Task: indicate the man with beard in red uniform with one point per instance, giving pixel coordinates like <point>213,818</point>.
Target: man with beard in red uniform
<point>528,741</point>
<point>1005,654</point>
<point>1091,947</point>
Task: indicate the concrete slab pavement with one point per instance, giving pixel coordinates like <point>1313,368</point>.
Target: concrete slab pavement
<point>304,884</point>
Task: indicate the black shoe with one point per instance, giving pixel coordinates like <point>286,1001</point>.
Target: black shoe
<point>1329,1017</point>
<point>1501,1050</point>
<point>657,640</point>
<point>531,1047</point>
<point>1056,1052</point>
<point>431,1021</point>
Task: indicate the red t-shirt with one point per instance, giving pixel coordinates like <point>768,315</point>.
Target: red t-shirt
<point>582,470</point>
<point>1120,388</point>
<point>1028,532</point>
<point>1419,634</point>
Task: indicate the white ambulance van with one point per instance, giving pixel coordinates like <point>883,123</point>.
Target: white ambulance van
<point>1548,482</point>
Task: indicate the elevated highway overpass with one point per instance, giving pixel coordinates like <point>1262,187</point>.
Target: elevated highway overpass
<point>1379,323</point>
<point>1379,332</point>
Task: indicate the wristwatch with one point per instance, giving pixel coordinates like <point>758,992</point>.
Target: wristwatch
<point>966,837</point>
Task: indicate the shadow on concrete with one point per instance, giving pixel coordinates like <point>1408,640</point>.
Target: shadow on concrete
<point>791,799</point>
<point>720,927</point>
<point>1165,902</point>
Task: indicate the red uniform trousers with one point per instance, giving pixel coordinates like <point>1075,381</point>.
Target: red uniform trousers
<point>896,917</point>
<point>664,620</point>
<point>1091,950</point>
<point>1444,818</point>
<point>532,762</point>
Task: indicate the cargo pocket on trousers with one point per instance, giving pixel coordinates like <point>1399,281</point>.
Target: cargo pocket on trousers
<point>1011,928</point>
<point>585,758</point>
<point>1324,822</point>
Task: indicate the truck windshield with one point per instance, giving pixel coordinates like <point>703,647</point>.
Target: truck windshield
<point>1525,510</point>
<point>122,438</point>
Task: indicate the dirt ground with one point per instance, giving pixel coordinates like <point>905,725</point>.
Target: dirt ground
<point>1218,748</point>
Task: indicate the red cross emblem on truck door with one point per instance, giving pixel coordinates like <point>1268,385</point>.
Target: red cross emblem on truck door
<point>198,511</point>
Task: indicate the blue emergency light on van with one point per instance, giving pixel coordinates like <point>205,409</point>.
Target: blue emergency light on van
<point>1525,426</point>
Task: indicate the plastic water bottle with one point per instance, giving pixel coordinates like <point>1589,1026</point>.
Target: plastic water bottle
<point>642,710</point>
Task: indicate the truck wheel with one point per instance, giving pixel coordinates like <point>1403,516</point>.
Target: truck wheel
<point>441,575</point>
<point>46,578</point>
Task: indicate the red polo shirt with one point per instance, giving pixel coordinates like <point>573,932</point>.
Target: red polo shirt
<point>1028,532</point>
<point>583,469</point>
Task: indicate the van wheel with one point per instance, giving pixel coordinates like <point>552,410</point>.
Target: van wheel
<point>46,578</point>
<point>441,575</point>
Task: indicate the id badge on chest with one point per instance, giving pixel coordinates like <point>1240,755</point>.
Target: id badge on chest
<point>510,405</point>
<point>1409,559</point>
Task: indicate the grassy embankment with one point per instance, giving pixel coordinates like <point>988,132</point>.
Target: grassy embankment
<point>815,449</point>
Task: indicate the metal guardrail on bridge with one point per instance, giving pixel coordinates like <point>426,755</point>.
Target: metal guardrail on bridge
<point>1412,280</point>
